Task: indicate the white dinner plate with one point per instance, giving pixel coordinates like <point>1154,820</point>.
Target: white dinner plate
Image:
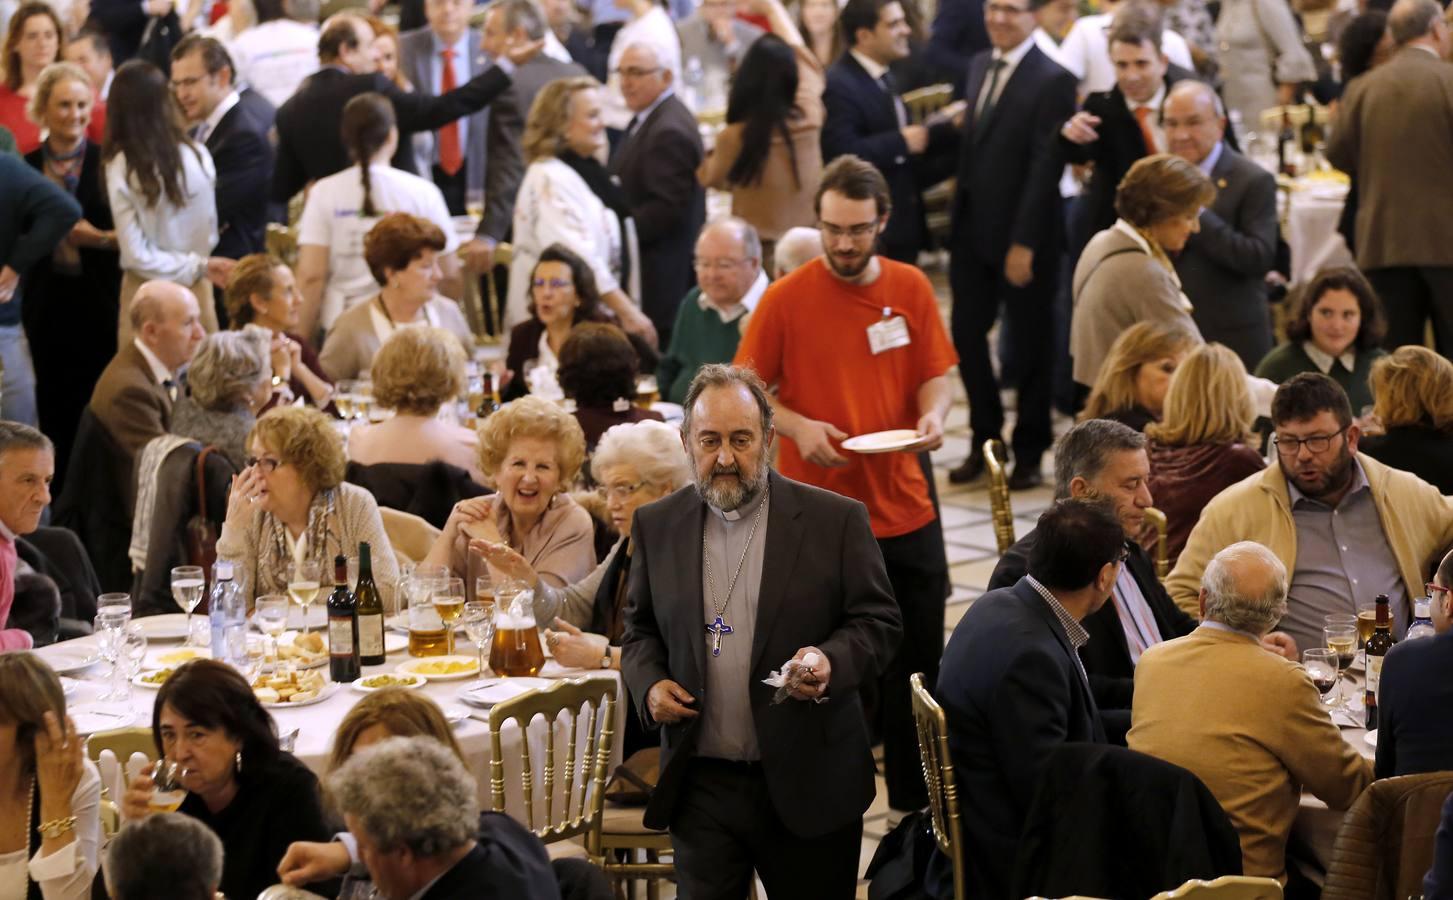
<point>329,689</point>
<point>168,627</point>
<point>141,682</point>
<point>66,660</point>
<point>175,656</point>
<point>402,679</point>
<point>491,692</point>
<point>1371,738</point>
<point>883,441</point>
<point>93,717</point>
<point>421,666</point>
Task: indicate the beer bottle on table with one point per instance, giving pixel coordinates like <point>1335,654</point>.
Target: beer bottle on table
<point>343,664</point>
<point>1377,647</point>
<point>369,607</point>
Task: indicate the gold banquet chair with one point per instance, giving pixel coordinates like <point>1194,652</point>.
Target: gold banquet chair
<point>122,742</point>
<point>576,700</point>
<point>1227,887</point>
<point>1156,519</point>
<point>281,241</point>
<point>999,504</point>
<point>484,310</point>
<point>938,775</point>
<point>925,101</point>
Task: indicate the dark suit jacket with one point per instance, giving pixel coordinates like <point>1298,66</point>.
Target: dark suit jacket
<point>310,146</point>
<point>657,168</point>
<point>862,120</point>
<point>1107,656</point>
<point>506,167</point>
<point>123,22</point>
<point>1223,268</point>
<point>823,585</point>
<point>508,863</point>
<point>416,50</point>
<point>1414,730</point>
<point>1007,194</point>
<point>1012,693</point>
<point>243,153</point>
<point>1119,146</point>
<point>957,34</point>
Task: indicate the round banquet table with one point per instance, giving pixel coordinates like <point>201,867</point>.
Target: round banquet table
<point>316,723</point>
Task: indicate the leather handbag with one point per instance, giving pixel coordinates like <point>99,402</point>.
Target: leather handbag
<point>201,532</point>
<point>634,780</point>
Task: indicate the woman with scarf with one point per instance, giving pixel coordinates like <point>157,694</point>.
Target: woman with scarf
<point>70,311</point>
<point>291,504</point>
<point>567,197</point>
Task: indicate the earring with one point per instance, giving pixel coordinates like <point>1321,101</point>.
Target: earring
<point>237,760</point>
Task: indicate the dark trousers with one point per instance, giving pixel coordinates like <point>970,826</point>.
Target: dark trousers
<point>918,570</point>
<point>724,826</point>
<point>1412,294</point>
<point>453,187</point>
<point>979,293</point>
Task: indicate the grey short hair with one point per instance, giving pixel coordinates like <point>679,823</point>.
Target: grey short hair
<point>228,368</point>
<point>1226,584</point>
<point>795,249</point>
<point>743,231</point>
<point>408,792</point>
<point>1409,20</point>
<point>17,436</point>
<point>723,375</point>
<point>170,855</point>
<point>522,14</point>
<point>1085,449</point>
<point>654,448</point>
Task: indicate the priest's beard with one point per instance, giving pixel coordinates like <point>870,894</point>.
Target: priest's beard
<point>728,487</point>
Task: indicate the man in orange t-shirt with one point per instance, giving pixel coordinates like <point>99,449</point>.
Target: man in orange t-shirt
<point>853,344</point>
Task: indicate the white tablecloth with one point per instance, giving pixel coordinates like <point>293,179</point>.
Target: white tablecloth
<point>1311,228</point>
<point>1316,826</point>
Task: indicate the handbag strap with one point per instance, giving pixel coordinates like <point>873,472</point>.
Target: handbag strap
<point>201,476</point>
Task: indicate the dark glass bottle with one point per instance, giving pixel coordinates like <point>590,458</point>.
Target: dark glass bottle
<point>343,661</point>
<point>1377,647</point>
<point>370,612</point>
<point>490,403</point>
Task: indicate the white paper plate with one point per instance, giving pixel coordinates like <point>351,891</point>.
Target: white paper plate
<point>1371,738</point>
<point>329,689</point>
<point>883,441</point>
<point>491,692</point>
<point>65,660</point>
<point>93,717</point>
<point>413,667</point>
<point>168,627</point>
<point>414,681</point>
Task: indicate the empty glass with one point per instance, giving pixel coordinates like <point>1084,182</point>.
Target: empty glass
<point>113,614</point>
<point>132,654</point>
<point>478,621</point>
<point>271,618</point>
<point>188,585</point>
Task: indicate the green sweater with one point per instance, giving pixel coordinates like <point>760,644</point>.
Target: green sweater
<point>698,337</point>
<point>1291,359</point>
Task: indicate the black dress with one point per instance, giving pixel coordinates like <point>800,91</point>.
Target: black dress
<point>70,317</point>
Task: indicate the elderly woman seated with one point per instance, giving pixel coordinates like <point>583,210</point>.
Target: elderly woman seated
<point>520,867</point>
<point>634,465</point>
<point>531,450</point>
<point>262,292</point>
<point>290,503</point>
<point>1124,275</point>
<point>255,797</point>
<point>1137,372</point>
<point>1412,402</point>
<point>229,381</point>
<point>166,855</point>
<point>598,371</point>
<point>402,252</point>
<point>417,371</point>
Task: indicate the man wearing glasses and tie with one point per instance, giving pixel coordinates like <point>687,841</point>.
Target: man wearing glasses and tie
<point>1346,527</point>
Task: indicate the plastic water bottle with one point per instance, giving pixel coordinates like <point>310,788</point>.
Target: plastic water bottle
<point>227,615</point>
<point>694,81</point>
<point>1422,626</point>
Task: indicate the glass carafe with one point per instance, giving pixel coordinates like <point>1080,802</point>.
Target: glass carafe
<point>516,650</point>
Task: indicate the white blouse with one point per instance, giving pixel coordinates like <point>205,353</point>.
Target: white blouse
<point>68,873</point>
<point>166,242</point>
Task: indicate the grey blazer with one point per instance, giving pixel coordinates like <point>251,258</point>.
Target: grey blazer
<point>416,50</point>
<point>1223,268</point>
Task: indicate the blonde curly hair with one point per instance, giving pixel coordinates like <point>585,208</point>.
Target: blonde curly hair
<point>532,417</point>
<point>417,370</point>
<point>303,437</point>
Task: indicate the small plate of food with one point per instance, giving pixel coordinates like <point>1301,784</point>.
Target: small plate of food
<point>153,680</point>
<point>370,683</point>
<point>306,651</point>
<point>289,689</point>
<point>442,668</point>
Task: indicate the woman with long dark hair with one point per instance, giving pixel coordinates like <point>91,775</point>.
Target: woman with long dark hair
<point>333,276</point>
<point>770,153</point>
<point>162,189</point>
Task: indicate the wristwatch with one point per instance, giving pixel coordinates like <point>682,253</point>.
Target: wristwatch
<point>605,660</point>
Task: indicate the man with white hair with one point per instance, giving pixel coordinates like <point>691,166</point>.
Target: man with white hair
<point>1248,723</point>
<point>798,247</point>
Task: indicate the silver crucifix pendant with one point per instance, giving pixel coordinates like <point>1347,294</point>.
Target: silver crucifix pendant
<point>717,628</point>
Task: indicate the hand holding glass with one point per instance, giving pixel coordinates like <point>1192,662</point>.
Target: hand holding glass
<point>167,792</point>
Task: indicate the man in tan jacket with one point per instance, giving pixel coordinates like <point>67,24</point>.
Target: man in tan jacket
<point>1345,526</point>
<point>1248,723</point>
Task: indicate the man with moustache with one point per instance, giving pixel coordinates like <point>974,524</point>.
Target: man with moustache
<point>730,579</point>
<point>853,343</point>
<point>1346,527</point>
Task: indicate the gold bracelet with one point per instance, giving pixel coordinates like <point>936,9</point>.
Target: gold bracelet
<point>57,827</point>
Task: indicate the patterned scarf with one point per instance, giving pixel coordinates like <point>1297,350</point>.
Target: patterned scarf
<point>275,561</point>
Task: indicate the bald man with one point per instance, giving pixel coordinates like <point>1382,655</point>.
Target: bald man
<point>1223,267</point>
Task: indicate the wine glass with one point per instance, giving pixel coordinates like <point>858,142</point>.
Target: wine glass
<point>1322,666</point>
<point>167,792</point>
<point>111,620</point>
<point>449,604</point>
<point>1342,641</point>
<point>188,585</point>
<point>478,623</point>
<point>271,618</point>
<point>303,585</point>
<point>133,644</point>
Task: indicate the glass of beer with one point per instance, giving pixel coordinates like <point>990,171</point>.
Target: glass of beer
<point>516,650</point>
<point>1366,622</point>
<point>427,634</point>
<point>647,391</point>
<point>167,792</point>
<point>449,604</point>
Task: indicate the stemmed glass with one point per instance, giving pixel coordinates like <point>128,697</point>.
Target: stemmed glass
<point>271,616</point>
<point>478,623</point>
<point>449,604</point>
<point>133,653</point>
<point>167,792</point>
<point>188,585</point>
<point>1342,642</point>
<point>1322,666</point>
<point>113,613</point>
<point>304,584</point>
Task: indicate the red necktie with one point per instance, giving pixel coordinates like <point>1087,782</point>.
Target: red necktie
<point>1142,116</point>
<point>450,159</point>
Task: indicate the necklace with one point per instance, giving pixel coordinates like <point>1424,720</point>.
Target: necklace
<point>29,813</point>
<point>718,626</point>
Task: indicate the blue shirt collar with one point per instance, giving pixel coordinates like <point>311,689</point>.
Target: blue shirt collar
<point>1209,163</point>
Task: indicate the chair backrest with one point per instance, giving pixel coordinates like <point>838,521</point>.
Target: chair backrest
<point>576,700</point>
<point>1003,513</point>
<point>1385,843</point>
<point>938,775</point>
<point>281,241</point>
<point>925,101</point>
<point>409,535</point>
<point>1227,887</point>
<point>123,742</point>
<point>1156,519</point>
